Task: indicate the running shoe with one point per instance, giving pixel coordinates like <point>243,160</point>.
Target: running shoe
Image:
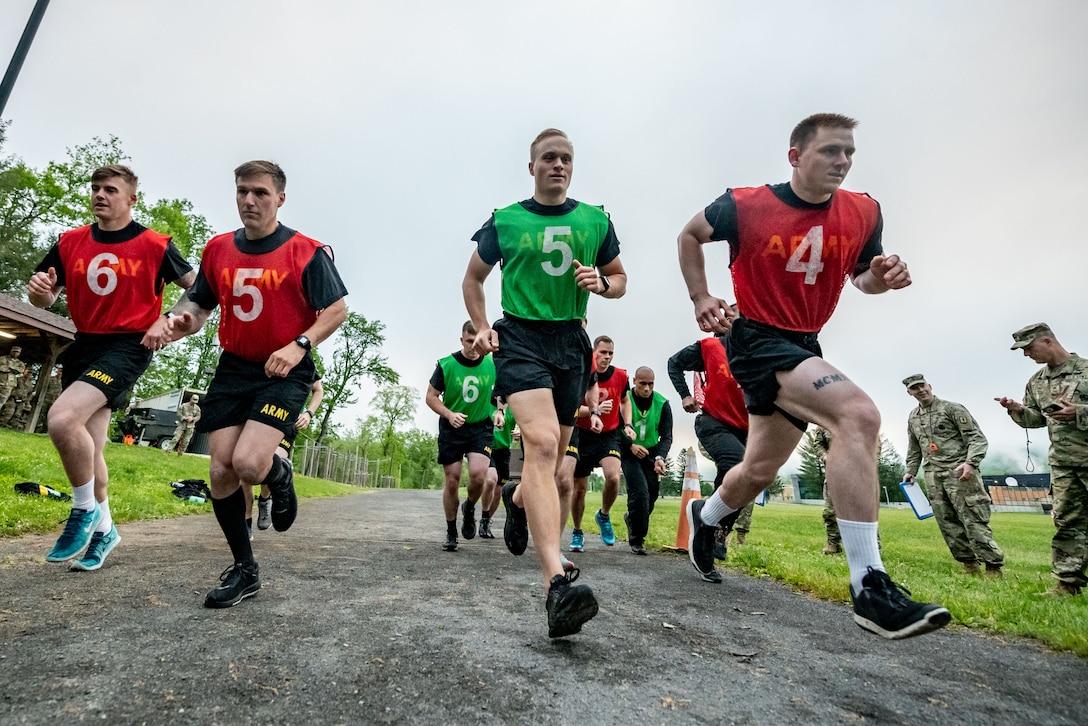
<point>577,541</point>
<point>700,541</point>
<point>516,530</point>
<point>451,543</point>
<point>264,513</point>
<point>76,535</point>
<point>485,528</point>
<point>882,607</point>
<point>284,501</point>
<point>569,606</point>
<point>604,522</point>
<point>102,543</point>
<point>637,549</point>
<point>468,519</point>
<point>236,583</point>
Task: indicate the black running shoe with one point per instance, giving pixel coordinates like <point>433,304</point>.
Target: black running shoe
<point>713,576</point>
<point>451,543</point>
<point>569,606</point>
<point>882,607</point>
<point>235,584</point>
<point>485,528</point>
<point>700,540</point>
<point>284,501</point>
<point>516,530</point>
<point>468,521</point>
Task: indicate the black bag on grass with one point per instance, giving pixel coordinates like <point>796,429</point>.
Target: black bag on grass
<point>33,488</point>
<point>187,488</point>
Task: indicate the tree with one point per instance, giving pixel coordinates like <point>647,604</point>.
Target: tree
<point>396,405</point>
<point>671,482</point>
<point>890,471</point>
<point>777,486</point>
<point>813,473</point>
<point>357,355</point>
<point>421,469</point>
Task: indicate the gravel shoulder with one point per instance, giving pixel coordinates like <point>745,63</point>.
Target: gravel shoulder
<point>363,619</point>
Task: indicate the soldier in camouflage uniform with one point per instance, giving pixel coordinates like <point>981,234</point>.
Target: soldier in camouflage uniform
<point>821,441</point>
<point>11,368</point>
<point>1057,397</point>
<point>188,415</point>
<point>14,411</point>
<point>945,436</point>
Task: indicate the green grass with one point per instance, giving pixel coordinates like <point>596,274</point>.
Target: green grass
<point>140,479</point>
<point>786,542</point>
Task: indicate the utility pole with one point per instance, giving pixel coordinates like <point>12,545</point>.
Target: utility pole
<point>21,51</point>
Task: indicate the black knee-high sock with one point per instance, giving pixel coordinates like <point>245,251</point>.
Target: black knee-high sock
<point>278,473</point>
<point>231,514</point>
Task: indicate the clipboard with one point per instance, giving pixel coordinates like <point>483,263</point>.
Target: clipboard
<point>917,498</point>
<point>761,500</point>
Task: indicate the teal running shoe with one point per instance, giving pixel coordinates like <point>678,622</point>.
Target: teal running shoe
<point>76,535</point>
<point>102,543</point>
<point>608,535</point>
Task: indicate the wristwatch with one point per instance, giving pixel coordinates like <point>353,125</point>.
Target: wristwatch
<point>606,283</point>
<point>303,341</point>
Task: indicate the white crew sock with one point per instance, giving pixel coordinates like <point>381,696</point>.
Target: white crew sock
<point>714,510</point>
<point>106,523</point>
<point>862,549</point>
<point>83,496</point>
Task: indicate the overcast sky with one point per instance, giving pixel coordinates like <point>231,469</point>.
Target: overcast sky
<point>402,125</point>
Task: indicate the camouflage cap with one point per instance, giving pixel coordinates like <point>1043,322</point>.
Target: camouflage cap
<point>912,380</point>
<point>1023,337</point>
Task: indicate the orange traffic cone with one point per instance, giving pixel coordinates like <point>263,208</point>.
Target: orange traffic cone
<point>692,490</point>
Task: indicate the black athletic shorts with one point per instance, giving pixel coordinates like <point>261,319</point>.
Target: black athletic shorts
<point>112,363</point>
<point>756,352</point>
<point>287,443</point>
<point>544,354</point>
<point>500,459</point>
<point>471,438</point>
<point>240,391</point>
<point>594,448</point>
<point>572,447</point>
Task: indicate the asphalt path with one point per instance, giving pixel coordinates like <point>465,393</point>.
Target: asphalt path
<point>362,619</point>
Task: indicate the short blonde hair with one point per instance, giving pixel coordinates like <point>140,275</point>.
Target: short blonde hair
<point>545,134</point>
